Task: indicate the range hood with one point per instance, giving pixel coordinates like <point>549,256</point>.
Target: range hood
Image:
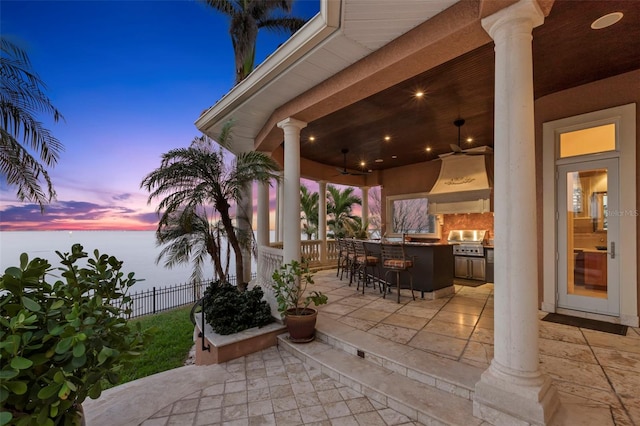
<point>463,186</point>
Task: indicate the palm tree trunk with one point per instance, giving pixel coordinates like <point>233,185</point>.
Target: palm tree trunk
<point>223,208</point>
<point>214,251</point>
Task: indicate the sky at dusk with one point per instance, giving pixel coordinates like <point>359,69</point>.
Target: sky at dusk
<point>130,78</point>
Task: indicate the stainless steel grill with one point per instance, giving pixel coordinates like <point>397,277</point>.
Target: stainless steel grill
<point>468,254</point>
<point>467,242</point>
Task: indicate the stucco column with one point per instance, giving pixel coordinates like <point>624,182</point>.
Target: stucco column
<point>513,390</point>
<point>365,205</point>
<point>263,214</point>
<point>280,208</point>
<point>291,213</point>
<point>322,219</point>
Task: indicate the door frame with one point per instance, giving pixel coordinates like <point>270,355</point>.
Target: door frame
<point>624,117</point>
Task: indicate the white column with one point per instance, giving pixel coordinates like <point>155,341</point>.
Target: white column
<point>365,205</point>
<point>291,213</point>
<point>263,214</point>
<point>280,209</point>
<point>513,390</point>
<point>322,219</point>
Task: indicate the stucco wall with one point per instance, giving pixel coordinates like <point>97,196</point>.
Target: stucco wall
<point>612,92</point>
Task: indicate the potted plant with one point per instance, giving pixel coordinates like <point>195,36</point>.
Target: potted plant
<point>61,341</point>
<point>290,286</point>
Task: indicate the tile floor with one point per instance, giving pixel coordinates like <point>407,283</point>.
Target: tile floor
<point>272,387</point>
<point>586,366</point>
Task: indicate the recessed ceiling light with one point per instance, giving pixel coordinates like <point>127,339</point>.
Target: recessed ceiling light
<point>379,160</point>
<point>606,20</point>
<point>312,138</point>
<point>387,138</point>
<point>469,140</point>
<point>362,163</point>
<point>428,149</point>
<point>394,156</point>
<point>419,94</point>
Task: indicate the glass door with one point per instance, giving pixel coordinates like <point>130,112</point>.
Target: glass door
<point>588,265</point>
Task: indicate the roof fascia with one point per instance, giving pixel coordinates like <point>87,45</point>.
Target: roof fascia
<point>314,32</point>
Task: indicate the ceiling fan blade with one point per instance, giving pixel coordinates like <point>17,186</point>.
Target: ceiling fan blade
<point>455,148</point>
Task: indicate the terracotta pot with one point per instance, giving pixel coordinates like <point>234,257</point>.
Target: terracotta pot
<point>301,327</point>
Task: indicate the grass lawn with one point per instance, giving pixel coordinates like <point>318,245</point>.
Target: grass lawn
<point>169,347</point>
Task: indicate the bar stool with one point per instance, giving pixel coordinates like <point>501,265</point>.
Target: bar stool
<point>343,257</point>
<point>353,258</point>
<point>364,260</point>
<point>395,260</point>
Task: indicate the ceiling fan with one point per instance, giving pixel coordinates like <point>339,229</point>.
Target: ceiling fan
<point>457,149</point>
<point>343,170</point>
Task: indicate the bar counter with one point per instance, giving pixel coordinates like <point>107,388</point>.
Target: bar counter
<point>432,269</point>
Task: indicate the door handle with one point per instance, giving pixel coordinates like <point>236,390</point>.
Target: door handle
<point>613,250</point>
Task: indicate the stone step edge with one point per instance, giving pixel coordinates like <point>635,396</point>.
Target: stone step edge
<point>440,382</point>
<point>308,354</point>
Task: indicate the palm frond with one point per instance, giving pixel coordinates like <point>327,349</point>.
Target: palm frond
<point>285,25</point>
<point>21,99</point>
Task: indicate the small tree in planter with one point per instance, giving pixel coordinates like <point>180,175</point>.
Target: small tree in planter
<point>290,284</point>
<point>60,341</point>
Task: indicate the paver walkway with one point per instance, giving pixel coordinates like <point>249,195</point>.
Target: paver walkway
<point>270,387</point>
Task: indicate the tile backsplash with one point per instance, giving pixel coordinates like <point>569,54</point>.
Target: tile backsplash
<point>482,221</point>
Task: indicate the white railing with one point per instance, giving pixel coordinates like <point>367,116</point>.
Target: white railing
<point>269,260</point>
<point>332,251</point>
<point>310,251</point>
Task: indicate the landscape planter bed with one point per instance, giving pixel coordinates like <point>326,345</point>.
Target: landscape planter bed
<point>225,348</point>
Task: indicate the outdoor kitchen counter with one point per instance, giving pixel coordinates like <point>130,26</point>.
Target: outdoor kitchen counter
<point>432,270</point>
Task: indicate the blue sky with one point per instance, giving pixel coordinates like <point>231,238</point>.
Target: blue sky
<point>130,78</point>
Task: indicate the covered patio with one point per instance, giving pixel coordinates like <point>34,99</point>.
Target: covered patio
<point>387,83</point>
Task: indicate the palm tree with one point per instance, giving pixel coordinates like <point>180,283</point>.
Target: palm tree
<point>190,180</point>
<point>356,228</point>
<point>339,207</point>
<point>22,96</point>
<point>309,208</point>
<point>191,236</point>
<point>246,18</point>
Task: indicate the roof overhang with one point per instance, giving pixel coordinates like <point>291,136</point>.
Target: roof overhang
<point>339,36</point>
<point>248,103</point>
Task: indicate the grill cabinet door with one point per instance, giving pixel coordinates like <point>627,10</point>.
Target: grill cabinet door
<point>461,267</point>
<point>478,269</point>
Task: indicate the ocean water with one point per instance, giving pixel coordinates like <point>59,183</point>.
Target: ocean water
<point>136,249</point>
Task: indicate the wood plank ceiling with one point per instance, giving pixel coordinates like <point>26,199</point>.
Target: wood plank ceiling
<point>567,53</point>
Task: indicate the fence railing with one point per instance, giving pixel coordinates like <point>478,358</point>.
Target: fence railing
<point>158,299</point>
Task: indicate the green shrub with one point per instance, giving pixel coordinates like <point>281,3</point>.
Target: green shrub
<point>60,341</point>
<point>228,310</point>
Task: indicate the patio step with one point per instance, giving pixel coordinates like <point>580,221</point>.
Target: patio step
<point>442,373</point>
<point>416,400</point>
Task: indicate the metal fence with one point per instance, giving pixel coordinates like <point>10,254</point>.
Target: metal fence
<point>164,298</point>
